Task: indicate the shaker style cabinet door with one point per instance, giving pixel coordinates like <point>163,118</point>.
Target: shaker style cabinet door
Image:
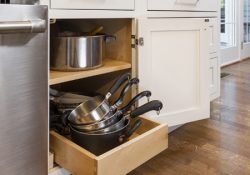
<point>173,63</point>
<point>94,4</point>
<point>184,5</point>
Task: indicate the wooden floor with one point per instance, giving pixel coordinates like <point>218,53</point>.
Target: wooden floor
<point>220,145</point>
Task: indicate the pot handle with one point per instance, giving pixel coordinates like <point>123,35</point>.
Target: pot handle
<point>131,130</point>
<point>136,99</point>
<point>154,105</point>
<point>119,101</point>
<point>117,84</point>
<point>109,38</point>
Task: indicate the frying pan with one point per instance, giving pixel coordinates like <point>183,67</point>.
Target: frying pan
<point>94,110</point>
<point>99,143</point>
<point>150,106</point>
<point>112,118</point>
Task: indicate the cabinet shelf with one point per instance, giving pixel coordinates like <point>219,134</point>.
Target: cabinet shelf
<point>109,65</point>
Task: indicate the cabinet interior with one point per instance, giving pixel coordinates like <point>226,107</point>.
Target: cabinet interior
<point>92,82</point>
<point>121,28</point>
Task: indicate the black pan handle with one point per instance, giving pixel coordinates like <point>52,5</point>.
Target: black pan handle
<point>119,101</point>
<point>135,99</point>
<point>64,118</point>
<point>117,84</point>
<point>154,105</point>
<point>130,130</point>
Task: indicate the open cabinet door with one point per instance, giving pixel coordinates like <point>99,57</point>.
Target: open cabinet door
<point>173,62</point>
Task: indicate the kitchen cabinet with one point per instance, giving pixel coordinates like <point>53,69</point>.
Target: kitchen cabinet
<point>93,4</point>
<point>184,5</point>
<point>119,57</point>
<point>214,77</point>
<point>171,56</point>
<point>173,62</point>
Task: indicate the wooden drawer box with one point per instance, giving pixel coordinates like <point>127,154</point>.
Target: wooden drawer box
<point>147,142</point>
<point>93,4</point>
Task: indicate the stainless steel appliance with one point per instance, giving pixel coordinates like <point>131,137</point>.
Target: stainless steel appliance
<point>23,90</point>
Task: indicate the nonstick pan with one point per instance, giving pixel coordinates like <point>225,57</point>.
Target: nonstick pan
<point>99,143</point>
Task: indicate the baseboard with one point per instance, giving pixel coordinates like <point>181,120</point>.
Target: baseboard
<point>173,128</point>
<point>230,63</point>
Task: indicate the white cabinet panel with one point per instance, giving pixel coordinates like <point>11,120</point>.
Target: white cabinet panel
<point>184,5</point>
<point>93,4</point>
<point>213,32</point>
<point>173,63</point>
<point>214,78</point>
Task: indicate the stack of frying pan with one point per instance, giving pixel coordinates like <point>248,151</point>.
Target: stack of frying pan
<point>99,126</point>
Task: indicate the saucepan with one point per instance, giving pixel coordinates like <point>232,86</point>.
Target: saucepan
<point>72,52</point>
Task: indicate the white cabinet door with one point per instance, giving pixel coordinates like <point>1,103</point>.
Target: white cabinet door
<point>173,63</point>
<point>214,78</point>
<point>213,33</point>
<point>184,5</point>
<point>93,4</point>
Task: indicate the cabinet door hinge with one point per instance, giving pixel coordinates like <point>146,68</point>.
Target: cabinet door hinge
<point>137,42</point>
<point>133,41</point>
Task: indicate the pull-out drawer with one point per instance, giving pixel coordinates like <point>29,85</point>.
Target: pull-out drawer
<point>94,4</point>
<point>148,141</point>
<point>184,5</point>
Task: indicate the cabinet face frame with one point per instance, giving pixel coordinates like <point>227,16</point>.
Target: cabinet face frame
<point>145,29</point>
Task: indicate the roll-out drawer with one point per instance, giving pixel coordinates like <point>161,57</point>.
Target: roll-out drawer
<point>148,141</point>
<point>93,4</point>
<point>183,5</point>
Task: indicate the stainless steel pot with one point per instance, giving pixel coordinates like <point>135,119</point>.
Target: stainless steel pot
<point>73,53</point>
